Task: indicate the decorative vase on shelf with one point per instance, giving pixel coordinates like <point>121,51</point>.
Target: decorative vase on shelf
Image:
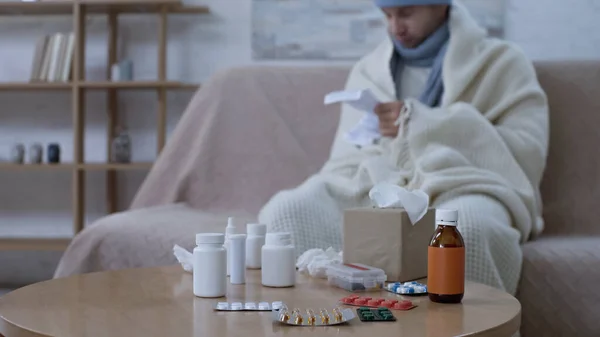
<point>17,154</point>
<point>121,147</point>
<point>122,71</point>
<point>36,153</point>
<point>53,153</point>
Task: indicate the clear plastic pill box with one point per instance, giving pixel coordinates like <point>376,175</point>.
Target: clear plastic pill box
<point>356,277</point>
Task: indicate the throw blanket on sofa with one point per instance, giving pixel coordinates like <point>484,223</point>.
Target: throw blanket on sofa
<point>483,151</point>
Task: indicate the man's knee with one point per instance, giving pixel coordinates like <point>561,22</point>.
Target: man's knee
<point>483,220</point>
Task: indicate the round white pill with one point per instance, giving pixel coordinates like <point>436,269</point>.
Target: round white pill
<point>222,305</point>
<point>277,305</point>
<point>236,306</point>
<point>250,306</point>
<point>263,306</point>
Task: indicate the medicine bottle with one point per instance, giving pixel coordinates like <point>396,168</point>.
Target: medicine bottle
<point>278,260</point>
<point>254,244</point>
<point>446,260</point>
<point>236,258</point>
<point>210,265</point>
<point>230,230</point>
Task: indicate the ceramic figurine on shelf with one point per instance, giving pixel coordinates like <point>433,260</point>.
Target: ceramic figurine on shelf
<point>122,71</point>
<point>36,153</point>
<point>121,147</point>
<point>53,153</point>
<point>17,154</point>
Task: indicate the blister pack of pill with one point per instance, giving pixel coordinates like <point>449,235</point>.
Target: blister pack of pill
<point>369,302</point>
<point>407,288</point>
<point>248,306</point>
<point>312,317</point>
<point>375,314</point>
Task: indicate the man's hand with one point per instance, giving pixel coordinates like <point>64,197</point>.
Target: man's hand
<point>388,113</point>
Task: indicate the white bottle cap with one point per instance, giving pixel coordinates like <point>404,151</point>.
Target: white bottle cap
<point>278,239</point>
<point>236,237</point>
<point>256,229</point>
<point>230,229</point>
<point>210,238</point>
<point>447,217</point>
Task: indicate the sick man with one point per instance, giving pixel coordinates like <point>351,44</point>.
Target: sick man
<point>463,119</point>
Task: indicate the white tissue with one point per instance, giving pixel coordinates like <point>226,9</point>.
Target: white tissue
<point>315,261</point>
<point>362,100</point>
<point>386,195</point>
<point>184,257</point>
<point>367,129</point>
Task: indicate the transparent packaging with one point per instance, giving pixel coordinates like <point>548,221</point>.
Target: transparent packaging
<point>356,277</point>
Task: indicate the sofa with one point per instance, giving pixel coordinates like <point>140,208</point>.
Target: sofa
<point>252,131</point>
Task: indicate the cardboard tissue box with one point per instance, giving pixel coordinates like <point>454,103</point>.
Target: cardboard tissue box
<point>393,235</point>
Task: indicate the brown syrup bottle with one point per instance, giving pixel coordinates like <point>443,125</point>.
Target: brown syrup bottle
<point>446,260</point>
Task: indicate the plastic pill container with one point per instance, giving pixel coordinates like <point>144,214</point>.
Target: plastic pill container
<point>278,261</point>
<point>210,265</point>
<point>356,277</point>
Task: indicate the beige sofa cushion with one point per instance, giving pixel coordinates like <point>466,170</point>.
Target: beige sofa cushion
<point>570,186</point>
<point>559,287</point>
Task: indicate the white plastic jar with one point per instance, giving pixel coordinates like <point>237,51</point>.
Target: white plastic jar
<point>278,260</point>
<point>254,243</point>
<point>210,265</point>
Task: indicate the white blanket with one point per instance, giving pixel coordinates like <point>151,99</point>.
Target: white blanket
<point>488,138</point>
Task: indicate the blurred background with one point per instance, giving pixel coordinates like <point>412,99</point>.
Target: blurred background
<point>38,203</point>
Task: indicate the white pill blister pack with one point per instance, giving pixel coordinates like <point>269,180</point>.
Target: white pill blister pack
<point>248,306</point>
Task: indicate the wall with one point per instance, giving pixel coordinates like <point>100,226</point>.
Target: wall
<point>35,203</point>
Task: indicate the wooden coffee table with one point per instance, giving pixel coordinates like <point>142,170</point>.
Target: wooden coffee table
<point>160,302</point>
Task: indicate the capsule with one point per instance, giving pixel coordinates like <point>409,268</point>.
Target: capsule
<point>311,317</point>
<point>324,316</point>
<point>284,316</point>
<point>337,313</point>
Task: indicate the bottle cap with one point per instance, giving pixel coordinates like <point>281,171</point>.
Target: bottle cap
<point>236,237</point>
<point>278,239</point>
<point>447,217</point>
<point>256,229</point>
<point>210,238</point>
<point>230,229</point>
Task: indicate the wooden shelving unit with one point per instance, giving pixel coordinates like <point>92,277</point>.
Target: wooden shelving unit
<point>80,10</point>
<point>33,244</point>
<point>134,85</point>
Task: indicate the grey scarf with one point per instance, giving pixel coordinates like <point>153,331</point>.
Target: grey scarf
<point>430,53</point>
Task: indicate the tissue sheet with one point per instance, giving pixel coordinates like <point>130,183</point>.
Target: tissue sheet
<point>362,100</point>
<point>366,132</point>
<point>185,258</point>
<point>415,203</point>
<point>315,261</point>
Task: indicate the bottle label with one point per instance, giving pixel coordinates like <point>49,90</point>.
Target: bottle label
<point>446,270</point>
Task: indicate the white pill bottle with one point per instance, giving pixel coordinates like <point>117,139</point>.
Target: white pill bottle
<point>278,261</point>
<point>254,244</point>
<point>210,265</point>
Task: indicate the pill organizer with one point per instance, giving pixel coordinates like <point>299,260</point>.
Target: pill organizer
<point>356,277</point>
<point>366,314</point>
<point>407,288</point>
<point>312,317</point>
<point>248,306</point>
<point>369,302</point>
